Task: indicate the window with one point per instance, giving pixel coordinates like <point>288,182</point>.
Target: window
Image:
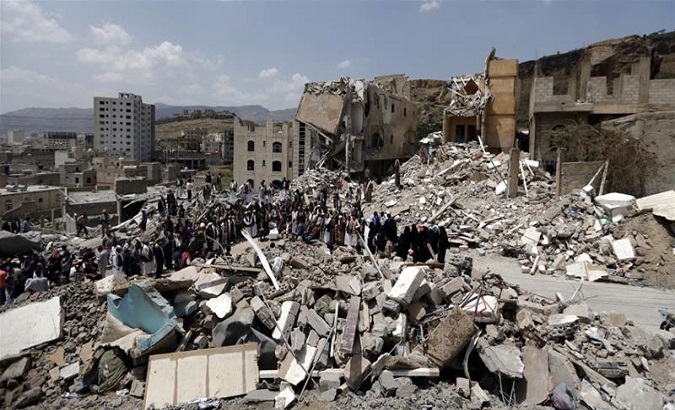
<point>276,166</point>
<point>250,146</point>
<point>8,205</point>
<point>77,180</point>
<point>88,180</point>
<point>405,112</point>
<point>391,140</point>
<point>40,200</point>
<point>276,147</point>
<point>263,164</point>
<point>250,165</point>
<point>392,108</point>
<point>290,164</point>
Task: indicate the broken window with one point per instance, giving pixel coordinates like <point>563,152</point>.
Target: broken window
<point>276,147</point>
<point>250,165</point>
<point>376,141</point>
<point>250,146</point>
<point>276,166</point>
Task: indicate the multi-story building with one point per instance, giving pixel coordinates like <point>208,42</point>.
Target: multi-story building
<point>192,138</point>
<point>228,147</point>
<point>19,201</point>
<point>16,136</point>
<point>58,140</point>
<point>124,126</point>
<point>267,153</point>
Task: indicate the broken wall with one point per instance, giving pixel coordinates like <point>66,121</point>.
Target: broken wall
<point>323,111</point>
<point>576,175</point>
<point>500,121</point>
<point>390,126</point>
<point>657,131</point>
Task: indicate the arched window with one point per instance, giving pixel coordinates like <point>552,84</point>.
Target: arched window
<point>276,166</point>
<point>276,147</point>
<point>250,146</point>
<point>250,165</point>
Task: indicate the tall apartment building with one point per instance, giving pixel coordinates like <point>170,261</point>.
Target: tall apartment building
<point>268,152</point>
<point>16,136</point>
<point>124,126</point>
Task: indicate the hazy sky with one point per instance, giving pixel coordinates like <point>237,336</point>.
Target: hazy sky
<point>63,53</point>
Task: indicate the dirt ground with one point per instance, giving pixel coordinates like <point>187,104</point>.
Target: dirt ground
<point>657,264</point>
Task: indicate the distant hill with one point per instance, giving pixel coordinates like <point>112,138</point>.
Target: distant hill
<point>80,120</point>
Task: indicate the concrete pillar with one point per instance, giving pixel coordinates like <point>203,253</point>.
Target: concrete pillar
<point>514,169</point>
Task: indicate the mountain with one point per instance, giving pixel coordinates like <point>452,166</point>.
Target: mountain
<point>81,120</point>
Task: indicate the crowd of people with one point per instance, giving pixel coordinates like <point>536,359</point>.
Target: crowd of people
<point>189,226</point>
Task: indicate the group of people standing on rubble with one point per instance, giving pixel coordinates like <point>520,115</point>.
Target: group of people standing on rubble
<point>190,227</point>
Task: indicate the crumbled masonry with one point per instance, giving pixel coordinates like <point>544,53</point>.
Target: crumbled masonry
<point>350,328</point>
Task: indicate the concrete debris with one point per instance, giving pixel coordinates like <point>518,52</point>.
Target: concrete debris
<point>222,372</point>
<point>346,313</point>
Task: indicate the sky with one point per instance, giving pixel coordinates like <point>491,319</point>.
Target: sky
<point>63,53</point>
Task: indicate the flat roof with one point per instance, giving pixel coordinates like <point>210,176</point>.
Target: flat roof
<point>29,189</point>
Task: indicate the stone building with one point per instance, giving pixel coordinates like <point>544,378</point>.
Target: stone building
<point>191,139</point>
<point>57,140</point>
<point>124,126</point>
<point>592,99</point>
<point>19,201</point>
<point>267,152</point>
<point>484,105</point>
<point>358,125</point>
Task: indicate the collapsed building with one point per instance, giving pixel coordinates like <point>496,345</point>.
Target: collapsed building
<point>615,85</point>
<point>358,125</point>
<point>484,105</point>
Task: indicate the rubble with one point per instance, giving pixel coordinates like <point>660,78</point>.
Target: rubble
<point>333,324</point>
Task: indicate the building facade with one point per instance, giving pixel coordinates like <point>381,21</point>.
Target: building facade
<point>191,139</point>
<point>17,136</point>
<point>267,153</point>
<point>58,140</point>
<point>357,125</point>
<point>124,126</point>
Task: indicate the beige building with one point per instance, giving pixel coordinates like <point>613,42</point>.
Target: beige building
<point>358,125</point>
<point>16,136</point>
<point>484,105</point>
<point>267,153</point>
<point>19,201</point>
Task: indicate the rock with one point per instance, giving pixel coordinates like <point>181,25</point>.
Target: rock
<point>450,337</point>
<point>28,398</point>
<point>536,375</point>
<point>592,397</point>
<point>289,313</point>
<point>406,387</point>
<point>617,319</point>
<point>221,306</point>
<point>406,285</point>
<point>562,371</point>
<point>317,323</point>
<point>71,371</point>
<point>504,359</point>
<point>327,395</point>
<point>137,389</point>
<point>16,370</point>
<point>260,396</point>
<point>329,380</point>
<point>356,371</point>
<point>388,385</point>
<point>638,394</point>
<point>463,387</point>
<point>580,310</point>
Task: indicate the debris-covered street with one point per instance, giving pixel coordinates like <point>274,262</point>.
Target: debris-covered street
<point>434,288</point>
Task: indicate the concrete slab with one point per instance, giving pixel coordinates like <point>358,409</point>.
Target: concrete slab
<point>450,336</point>
<point>222,372</point>
<point>30,325</point>
<point>407,284</point>
<point>536,375</point>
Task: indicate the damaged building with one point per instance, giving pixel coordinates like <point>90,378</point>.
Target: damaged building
<point>484,105</point>
<point>358,125</point>
<point>612,88</point>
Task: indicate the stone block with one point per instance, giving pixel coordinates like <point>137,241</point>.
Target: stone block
<point>450,336</point>
<point>317,323</point>
<point>289,313</point>
<point>356,371</point>
<point>407,284</point>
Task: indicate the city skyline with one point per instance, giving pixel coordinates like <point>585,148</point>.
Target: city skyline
<point>62,54</point>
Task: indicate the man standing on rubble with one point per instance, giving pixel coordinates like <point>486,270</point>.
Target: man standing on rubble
<point>105,223</point>
<point>81,223</point>
<point>102,260</point>
<point>397,173</point>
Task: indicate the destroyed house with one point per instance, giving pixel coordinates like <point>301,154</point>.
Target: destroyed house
<point>358,125</point>
<point>595,93</point>
<point>484,105</point>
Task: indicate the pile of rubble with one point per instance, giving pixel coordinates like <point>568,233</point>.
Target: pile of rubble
<point>364,331</point>
<point>579,234</point>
